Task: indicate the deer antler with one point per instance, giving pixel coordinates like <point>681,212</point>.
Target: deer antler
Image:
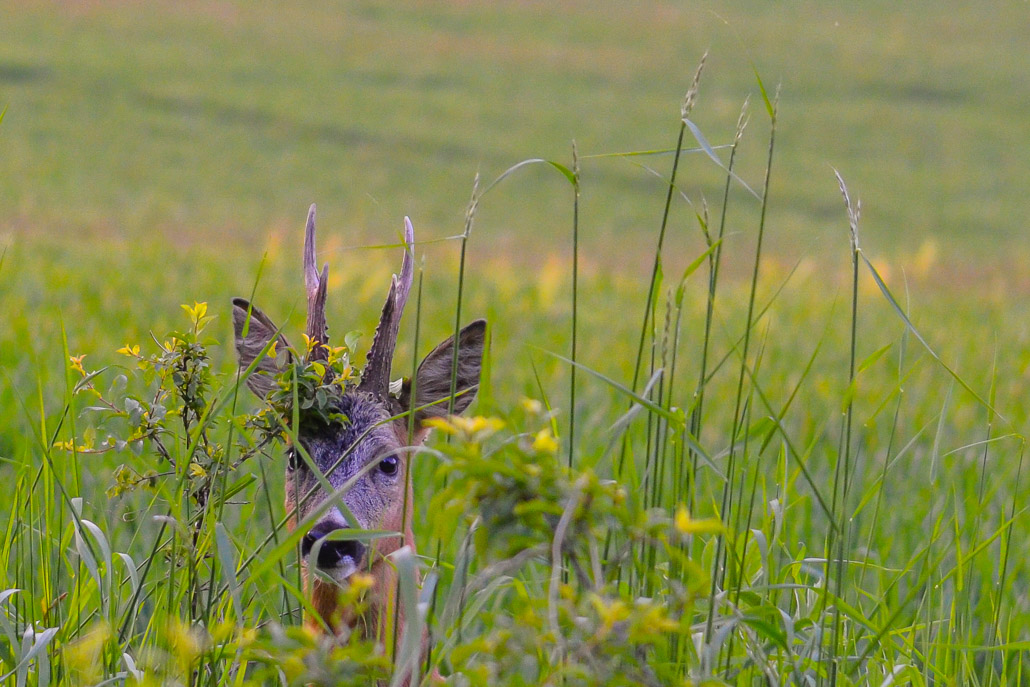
<point>315,283</point>
<point>376,376</point>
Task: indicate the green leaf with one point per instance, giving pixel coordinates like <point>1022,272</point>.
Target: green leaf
<point>227,560</point>
<point>5,624</point>
<point>707,147</point>
<point>130,566</point>
<point>409,651</point>
<point>677,417</point>
<point>919,337</point>
<point>691,268</point>
<point>873,357</point>
<point>39,642</point>
<point>765,96</point>
<point>350,339</point>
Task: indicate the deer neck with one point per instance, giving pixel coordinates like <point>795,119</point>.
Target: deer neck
<point>382,601</point>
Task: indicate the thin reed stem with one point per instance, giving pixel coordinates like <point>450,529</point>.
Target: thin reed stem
<point>718,567</point>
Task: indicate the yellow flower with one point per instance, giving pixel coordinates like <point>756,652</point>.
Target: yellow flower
<point>335,353</point>
<point>532,406</point>
<point>474,425</point>
<point>473,428</point>
<point>440,423</point>
<point>620,495</point>
<point>609,613</point>
<point>196,312</point>
<point>360,582</point>
<point>271,350</point>
<point>688,525</point>
<point>653,619</point>
<point>221,632</point>
<point>197,470</point>
<point>76,362</point>
<point>130,350</point>
<point>543,442</point>
<point>247,636</point>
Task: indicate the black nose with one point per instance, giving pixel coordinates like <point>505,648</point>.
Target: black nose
<point>331,553</point>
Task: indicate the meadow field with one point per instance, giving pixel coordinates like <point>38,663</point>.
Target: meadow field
<point>733,429</point>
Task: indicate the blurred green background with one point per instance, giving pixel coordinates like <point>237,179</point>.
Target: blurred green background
<point>195,122</point>
<point>154,154</point>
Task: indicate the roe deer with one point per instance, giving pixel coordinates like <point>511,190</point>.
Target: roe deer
<point>374,432</point>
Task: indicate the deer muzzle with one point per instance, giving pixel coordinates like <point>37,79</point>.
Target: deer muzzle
<point>339,558</point>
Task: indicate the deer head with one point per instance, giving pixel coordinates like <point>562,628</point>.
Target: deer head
<point>365,449</point>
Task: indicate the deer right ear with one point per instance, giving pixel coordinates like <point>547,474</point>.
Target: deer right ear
<point>433,378</point>
<point>253,330</point>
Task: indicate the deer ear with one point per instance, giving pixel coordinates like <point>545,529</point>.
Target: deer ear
<point>433,379</point>
<point>253,330</point>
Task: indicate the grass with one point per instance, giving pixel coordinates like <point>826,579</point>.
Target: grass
<point>922,592</point>
<point>820,462</point>
<point>175,123</point>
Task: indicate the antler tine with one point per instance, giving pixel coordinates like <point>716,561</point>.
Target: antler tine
<point>407,267</point>
<point>315,285</point>
<point>376,376</point>
<point>310,271</point>
<point>318,330</point>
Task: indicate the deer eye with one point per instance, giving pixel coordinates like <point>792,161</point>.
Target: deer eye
<point>293,460</point>
<point>389,465</point>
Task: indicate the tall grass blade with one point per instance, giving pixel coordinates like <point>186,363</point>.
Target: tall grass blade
<point>710,151</point>
<point>406,664</point>
<point>227,561</point>
<point>919,337</point>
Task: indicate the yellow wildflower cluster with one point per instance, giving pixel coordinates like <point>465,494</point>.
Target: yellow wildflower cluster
<point>645,618</point>
<point>470,428</point>
<point>335,353</point>
<point>131,350</point>
<point>198,315</point>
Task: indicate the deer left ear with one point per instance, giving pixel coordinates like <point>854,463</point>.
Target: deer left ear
<point>433,379</point>
<point>253,330</point>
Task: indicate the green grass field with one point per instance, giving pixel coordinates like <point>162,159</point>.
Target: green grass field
<point>861,442</point>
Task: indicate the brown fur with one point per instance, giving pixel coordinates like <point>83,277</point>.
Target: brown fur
<point>382,597</point>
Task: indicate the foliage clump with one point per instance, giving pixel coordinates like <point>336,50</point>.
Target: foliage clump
<point>555,542</point>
